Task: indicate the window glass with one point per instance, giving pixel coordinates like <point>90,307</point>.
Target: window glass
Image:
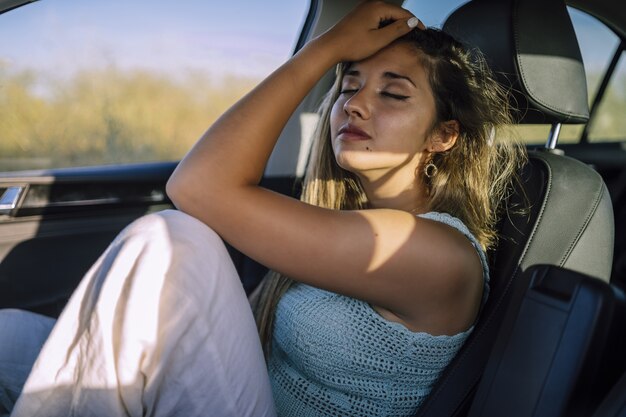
<point>609,121</point>
<point>597,46</point>
<point>97,82</point>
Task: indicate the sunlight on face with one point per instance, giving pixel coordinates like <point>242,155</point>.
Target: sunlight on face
<point>381,121</point>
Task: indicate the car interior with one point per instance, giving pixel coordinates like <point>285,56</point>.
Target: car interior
<point>536,263</point>
<point>550,340</point>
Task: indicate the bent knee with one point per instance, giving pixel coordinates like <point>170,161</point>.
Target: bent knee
<point>173,226</point>
<point>198,262</point>
<point>165,254</point>
<point>186,236</point>
<point>183,227</point>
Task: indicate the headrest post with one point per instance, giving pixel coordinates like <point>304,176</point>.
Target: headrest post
<point>554,136</point>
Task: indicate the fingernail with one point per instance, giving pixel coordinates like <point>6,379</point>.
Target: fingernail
<point>413,22</point>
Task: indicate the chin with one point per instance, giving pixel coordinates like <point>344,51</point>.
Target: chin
<point>355,161</point>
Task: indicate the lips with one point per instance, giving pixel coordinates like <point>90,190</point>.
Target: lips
<point>351,132</point>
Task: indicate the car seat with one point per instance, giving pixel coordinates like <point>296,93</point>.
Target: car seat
<point>532,48</point>
<point>614,404</point>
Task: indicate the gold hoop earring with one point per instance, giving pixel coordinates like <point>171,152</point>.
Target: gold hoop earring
<point>430,170</point>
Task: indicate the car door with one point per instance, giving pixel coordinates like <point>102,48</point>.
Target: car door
<point>56,223</point>
<point>98,102</point>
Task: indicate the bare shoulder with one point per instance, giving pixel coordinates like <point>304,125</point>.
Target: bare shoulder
<point>441,278</point>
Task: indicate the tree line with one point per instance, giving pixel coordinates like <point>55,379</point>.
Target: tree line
<point>107,116</point>
<point>113,116</point>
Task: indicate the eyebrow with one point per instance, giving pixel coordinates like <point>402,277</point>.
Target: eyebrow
<point>394,76</point>
<point>386,74</point>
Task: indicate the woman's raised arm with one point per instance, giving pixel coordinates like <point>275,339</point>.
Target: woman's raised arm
<point>234,151</point>
<point>387,257</point>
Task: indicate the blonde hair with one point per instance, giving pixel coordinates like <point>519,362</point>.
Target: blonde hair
<point>473,177</point>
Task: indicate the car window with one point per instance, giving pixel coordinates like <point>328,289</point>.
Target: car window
<point>609,121</point>
<point>95,82</point>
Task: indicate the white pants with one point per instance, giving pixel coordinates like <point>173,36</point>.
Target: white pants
<point>160,326</point>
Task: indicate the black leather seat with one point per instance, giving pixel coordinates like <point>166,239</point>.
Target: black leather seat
<point>532,48</point>
<point>559,349</point>
<point>614,405</point>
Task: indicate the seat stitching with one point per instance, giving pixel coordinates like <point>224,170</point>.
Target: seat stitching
<point>590,214</point>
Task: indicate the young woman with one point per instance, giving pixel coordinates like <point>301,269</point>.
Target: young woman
<point>386,246</point>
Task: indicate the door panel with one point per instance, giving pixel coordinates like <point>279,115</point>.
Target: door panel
<point>62,222</point>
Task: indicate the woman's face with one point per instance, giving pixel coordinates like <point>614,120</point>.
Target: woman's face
<point>382,119</point>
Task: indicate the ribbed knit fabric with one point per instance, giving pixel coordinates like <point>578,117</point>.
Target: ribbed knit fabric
<point>335,356</point>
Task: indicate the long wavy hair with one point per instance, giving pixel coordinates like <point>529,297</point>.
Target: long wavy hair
<point>472,178</point>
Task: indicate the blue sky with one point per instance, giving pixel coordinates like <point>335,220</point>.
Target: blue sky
<point>247,37</point>
<point>62,35</point>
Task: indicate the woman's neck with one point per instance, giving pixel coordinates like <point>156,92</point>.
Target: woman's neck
<point>395,192</point>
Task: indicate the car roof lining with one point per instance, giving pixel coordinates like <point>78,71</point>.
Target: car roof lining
<point>7,5</point>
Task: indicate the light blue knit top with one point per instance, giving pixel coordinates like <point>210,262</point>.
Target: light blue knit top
<point>335,356</point>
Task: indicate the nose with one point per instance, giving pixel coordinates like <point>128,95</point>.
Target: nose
<point>357,105</point>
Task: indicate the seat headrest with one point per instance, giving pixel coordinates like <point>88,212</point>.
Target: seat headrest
<point>532,48</point>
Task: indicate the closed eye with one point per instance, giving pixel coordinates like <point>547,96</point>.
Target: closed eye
<point>394,96</point>
<point>348,91</point>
